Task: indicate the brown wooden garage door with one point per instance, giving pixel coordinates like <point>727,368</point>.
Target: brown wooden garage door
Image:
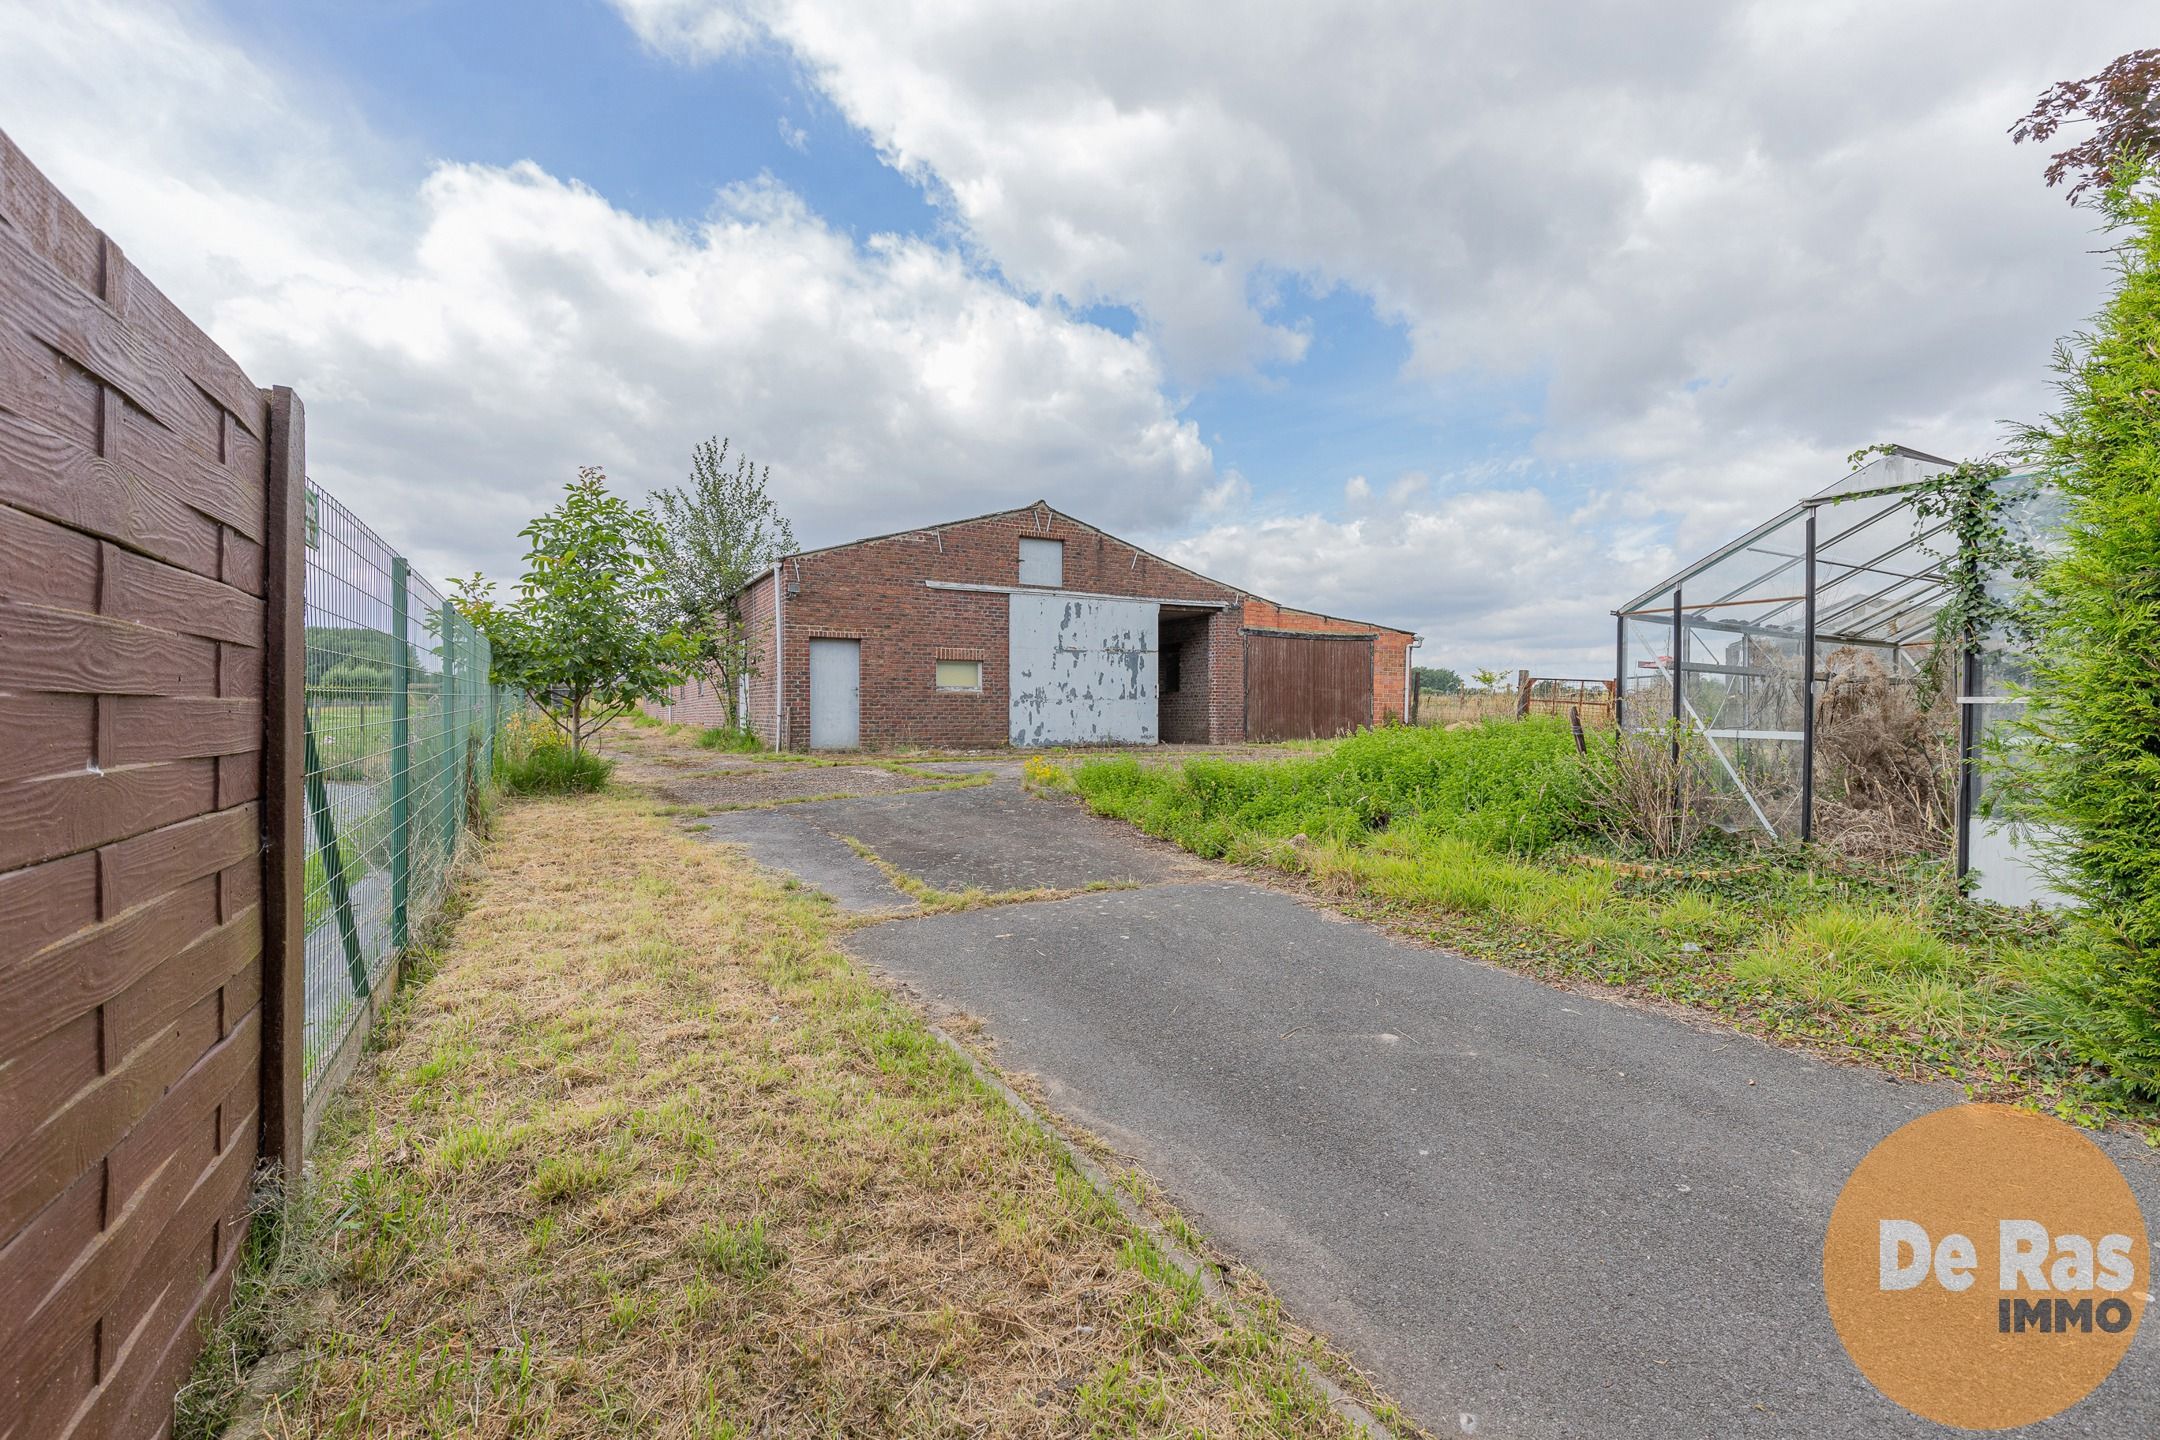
<point>1299,686</point>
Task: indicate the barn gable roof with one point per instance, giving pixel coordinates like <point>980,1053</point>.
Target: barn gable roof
<point>1047,507</point>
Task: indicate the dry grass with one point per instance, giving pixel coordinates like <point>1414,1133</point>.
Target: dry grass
<point>1886,764</point>
<point>1471,707</point>
<point>648,1156</point>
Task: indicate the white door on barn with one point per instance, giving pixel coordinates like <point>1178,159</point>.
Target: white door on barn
<point>835,694</point>
<point>1083,670</point>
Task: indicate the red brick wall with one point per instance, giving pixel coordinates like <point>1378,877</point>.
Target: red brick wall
<point>1226,677</point>
<point>873,591</point>
<point>1391,650</point>
<point>703,701</point>
<point>757,611</point>
<point>694,702</point>
<point>1183,715</point>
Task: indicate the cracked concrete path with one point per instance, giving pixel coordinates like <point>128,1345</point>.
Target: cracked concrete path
<point>1530,1212</point>
<point>992,837</point>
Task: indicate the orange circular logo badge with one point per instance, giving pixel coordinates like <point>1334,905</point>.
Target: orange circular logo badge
<point>1986,1267</point>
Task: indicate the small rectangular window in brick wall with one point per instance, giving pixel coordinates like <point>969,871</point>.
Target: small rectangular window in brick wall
<point>959,676</point>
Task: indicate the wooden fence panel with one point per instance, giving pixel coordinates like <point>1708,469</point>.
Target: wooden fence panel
<point>147,508</point>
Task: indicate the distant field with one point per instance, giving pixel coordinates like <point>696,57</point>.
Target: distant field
<point>1447,709</point>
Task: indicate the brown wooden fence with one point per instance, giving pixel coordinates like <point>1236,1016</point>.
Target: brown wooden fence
<point>150,621</point>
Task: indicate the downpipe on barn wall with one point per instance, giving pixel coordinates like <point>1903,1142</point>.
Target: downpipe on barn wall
<point>779,661</point>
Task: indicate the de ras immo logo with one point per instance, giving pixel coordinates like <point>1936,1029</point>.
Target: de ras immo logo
<point>1987,1267</point>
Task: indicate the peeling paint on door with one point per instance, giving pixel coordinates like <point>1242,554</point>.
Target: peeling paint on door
<point>1083,670</point>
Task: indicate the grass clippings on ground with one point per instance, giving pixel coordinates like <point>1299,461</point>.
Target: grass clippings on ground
<point>646,1155</point>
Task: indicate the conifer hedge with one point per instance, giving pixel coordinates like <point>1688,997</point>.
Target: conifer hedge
<point>2095,713</point>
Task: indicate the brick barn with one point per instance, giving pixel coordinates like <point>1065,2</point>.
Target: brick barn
<point>1030,628</point>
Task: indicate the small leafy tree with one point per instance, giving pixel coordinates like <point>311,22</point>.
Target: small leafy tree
<point>718,532</point>
<point>1487,679</point>
<point>2094,718</point>
<point>588,634</point>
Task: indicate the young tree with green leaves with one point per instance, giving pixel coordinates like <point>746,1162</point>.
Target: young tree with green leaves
<point>589,633</point>
<point>718,532</point>
<point>2094,716</point>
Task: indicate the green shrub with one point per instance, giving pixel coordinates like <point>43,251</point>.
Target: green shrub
<point>529,761</point>
<point>720,737</point>
<point>555,770</point>
<point>1513,786</point>
<point>2095,721</point>
<point>353,682</point>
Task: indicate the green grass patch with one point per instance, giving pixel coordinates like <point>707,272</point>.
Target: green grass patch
<point>550,767</point>
<point>741,1252</point>
<point>729,740</point>
<point>1513,788</point>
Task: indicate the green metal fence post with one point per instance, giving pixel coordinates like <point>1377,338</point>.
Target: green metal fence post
<point>453,792</point>
<point>330,849</point>
<point>494,703</point>
<point>461,735</point>
<point>400,756</point>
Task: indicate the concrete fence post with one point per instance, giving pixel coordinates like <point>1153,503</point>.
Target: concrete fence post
<point>284,846</point>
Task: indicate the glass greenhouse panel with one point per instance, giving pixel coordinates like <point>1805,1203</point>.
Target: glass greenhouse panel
<point>1646,655</point>
<point>1854,740</point>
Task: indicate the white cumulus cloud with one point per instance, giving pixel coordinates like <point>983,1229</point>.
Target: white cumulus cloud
<point>466,335</point>
<point>1731,240</point>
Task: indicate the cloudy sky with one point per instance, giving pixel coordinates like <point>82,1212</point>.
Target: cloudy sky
<point>1469,316</point>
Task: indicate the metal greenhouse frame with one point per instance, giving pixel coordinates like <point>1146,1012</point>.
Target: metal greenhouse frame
<point>1735,647</point>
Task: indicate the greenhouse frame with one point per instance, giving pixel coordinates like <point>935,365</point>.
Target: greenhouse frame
<point>1850,578</point>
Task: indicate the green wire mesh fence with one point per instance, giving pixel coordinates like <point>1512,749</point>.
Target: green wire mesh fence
<point>400,732</point>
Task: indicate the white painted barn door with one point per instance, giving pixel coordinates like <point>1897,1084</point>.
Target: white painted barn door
<point>1083,670</point>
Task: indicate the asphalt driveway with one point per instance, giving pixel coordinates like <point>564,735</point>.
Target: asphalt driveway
<point>1529,1212</point>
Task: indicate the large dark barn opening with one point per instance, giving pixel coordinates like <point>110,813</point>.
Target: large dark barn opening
<point>1183,671</point>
